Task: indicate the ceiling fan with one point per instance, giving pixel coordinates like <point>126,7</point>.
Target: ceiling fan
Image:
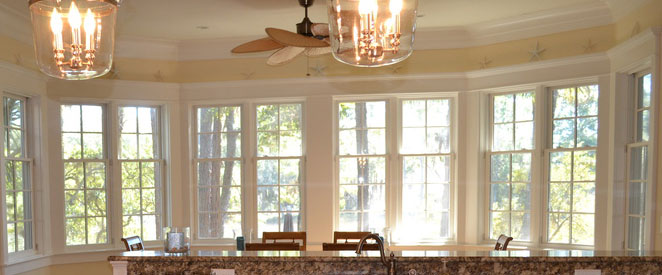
<point>311,39</point>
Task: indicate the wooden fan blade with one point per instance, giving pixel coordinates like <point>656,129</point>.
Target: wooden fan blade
<point>284,55</point>
<point>289,38</point>
<point>260,45</point>
<point>313,52</point>
<point>321,29</point>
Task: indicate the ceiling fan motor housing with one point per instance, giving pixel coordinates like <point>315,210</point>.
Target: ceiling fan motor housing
<point>306,26</point>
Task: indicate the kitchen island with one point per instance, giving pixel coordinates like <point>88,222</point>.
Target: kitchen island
<point>408,262</point>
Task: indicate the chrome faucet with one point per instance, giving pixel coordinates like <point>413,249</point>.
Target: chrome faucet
<point>390,263</point>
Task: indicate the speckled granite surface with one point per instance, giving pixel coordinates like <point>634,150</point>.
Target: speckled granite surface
<point>408,262</point>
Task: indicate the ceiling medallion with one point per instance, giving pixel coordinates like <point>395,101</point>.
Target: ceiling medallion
<point>372,33</point>
<point>74,40</point>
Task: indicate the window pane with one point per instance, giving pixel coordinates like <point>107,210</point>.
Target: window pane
<point>500,168</point>
<point>564,103</point>
<point>524,136</point>
<point>521,170</point>
<point>500,224</point>
<point>644,93</point>
<point>643,125</point>
<point>413,113</point>
<point>558,228</point>
<point>587,100</point>
<point>583,197</point>
<point>521,199</point>
<point>413,140</point>
<point>438,112</point>
<point>637,198</point>
<point>70,118</point>
<point>503,108</point>
<point>636,237</point>
<point>524,103</point>
<point>502,137</point>
<point>560,166</point>
<point>587,132</point>
<point>583,228</point>
<point>564,133</point>
<point>584,166</point>
<point>128,120</point>
<point>500,196</point>
<point>559,197</point>
<point>520,224</point>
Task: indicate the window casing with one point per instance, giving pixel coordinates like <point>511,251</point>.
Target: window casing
<point>85,174</point>
<point>362,163</point>
<point>18,176</point>
<point>218,168</point>
<point>426,163</point>
<point>279,165</point>
<point>572,158</point>
<point>510,161</point>
<point>140,161</point>
<point>637,171</point>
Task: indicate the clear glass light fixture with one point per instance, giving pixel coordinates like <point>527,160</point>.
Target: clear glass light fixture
<point>372,33</point>
<point>74,40</point>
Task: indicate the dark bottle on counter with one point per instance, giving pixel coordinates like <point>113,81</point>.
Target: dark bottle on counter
<point>240,244</point>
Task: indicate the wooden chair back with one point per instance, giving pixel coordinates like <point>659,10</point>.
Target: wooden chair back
<point>133,243</point>
<point>273,246</point>
<point>502,242</point>
<point>347,236</point>
<point>351,241</point>
<point>276,237</point>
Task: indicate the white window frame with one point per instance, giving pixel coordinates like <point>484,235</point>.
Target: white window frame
<point>109,177</point>
<point>533,183</point>
<point>548,149</point>
<point>393,195</point>
<point>29,158</point>
<point>194,164</point>
<point>399,182</point>
<point>388,156</point>
<point>633,121</point>
<point>117,169</point>
<point>254,230</point>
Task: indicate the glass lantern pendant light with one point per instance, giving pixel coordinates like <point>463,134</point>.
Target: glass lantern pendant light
<point>372,33</point>
<point>74,40</point>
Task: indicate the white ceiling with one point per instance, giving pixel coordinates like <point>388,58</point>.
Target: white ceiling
<point>183,19</point>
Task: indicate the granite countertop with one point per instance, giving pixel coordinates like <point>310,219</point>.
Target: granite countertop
<point>401,256</point>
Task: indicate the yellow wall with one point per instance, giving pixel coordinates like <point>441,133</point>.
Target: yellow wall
<point>95,268</point>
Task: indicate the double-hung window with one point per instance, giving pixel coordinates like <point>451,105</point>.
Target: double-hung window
<point>426,157</point>
<point>512,144</point>
<point>638,172</point>
<point>573,141</point>
<point>218,169</point>
<point>85,169</point>
<point>362,166</point>
<point>279,167</point>
<point>140,168</point>
<point>17,179</point>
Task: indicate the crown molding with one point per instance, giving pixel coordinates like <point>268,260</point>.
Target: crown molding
<point>646,36</point>
<point>515,28</point>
